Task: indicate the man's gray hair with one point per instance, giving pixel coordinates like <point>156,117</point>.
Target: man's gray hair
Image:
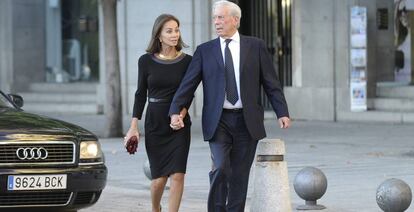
<point>234,8</point>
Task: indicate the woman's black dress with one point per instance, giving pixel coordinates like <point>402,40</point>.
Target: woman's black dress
<point>167,149</point>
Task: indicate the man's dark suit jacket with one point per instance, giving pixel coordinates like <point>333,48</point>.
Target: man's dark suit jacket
<point>256,69</point>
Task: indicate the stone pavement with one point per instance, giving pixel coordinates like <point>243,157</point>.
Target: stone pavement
<point>355,157</point>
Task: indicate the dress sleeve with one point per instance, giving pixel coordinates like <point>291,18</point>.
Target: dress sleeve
<point>142,88</point>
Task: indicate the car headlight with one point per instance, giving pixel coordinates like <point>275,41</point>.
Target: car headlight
<point>90,152</point>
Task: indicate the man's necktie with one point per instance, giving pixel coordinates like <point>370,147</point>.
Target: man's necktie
<point>231,87</point>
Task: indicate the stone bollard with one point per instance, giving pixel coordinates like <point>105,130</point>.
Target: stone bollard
<point>271,183</point>
<point>394,195</point>
<point>310,184</point>
<point>147,170</point>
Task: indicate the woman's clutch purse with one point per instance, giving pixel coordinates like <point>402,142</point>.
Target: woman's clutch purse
<point>132,145</point>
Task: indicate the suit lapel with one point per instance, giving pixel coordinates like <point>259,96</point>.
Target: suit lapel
<point>217,52</point>
<point>244,50</point>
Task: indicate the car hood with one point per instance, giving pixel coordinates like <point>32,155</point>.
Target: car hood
<point>17,122</point>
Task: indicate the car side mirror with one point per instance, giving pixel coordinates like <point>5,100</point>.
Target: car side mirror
<point>16,99</point>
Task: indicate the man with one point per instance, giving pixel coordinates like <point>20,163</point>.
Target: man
<point>232,67</point>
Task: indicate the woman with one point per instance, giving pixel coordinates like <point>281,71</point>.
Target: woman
<point>160,72</point>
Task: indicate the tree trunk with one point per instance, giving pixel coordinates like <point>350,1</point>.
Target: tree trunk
<point>113,106</point>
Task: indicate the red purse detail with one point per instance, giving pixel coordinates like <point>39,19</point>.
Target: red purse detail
<point>132,145</point>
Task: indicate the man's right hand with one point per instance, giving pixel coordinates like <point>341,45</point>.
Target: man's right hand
<point>176,122</point>
<point>284,122</point>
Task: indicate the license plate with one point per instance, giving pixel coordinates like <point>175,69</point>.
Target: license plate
<point>36,182</point>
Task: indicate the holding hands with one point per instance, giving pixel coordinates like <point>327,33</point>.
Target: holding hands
<point>177,119</point>
<point>176,122</point>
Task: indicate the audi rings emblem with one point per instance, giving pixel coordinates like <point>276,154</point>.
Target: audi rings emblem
<point>31,153</point>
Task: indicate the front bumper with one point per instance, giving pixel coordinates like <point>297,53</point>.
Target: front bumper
<point>84,187</point>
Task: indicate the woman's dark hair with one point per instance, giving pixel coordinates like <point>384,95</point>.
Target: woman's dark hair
<point>155,44</point>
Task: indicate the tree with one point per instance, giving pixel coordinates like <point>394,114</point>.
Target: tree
<point>113,106</point>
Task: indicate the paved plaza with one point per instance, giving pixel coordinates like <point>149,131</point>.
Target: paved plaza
<point>355,157</point>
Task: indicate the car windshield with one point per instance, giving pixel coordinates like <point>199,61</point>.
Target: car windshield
<point>4,102</point>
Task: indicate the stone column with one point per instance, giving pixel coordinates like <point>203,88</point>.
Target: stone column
<point>6,50</point>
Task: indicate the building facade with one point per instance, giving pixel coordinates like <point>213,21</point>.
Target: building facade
<point>53,42</point>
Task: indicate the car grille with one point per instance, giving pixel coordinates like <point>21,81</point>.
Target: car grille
<point>84,198</point>
<point>35,199</point>
<point>58,153</point>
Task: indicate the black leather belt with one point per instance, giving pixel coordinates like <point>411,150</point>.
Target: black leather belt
<point>156,100</point>
<point>234,110</point>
